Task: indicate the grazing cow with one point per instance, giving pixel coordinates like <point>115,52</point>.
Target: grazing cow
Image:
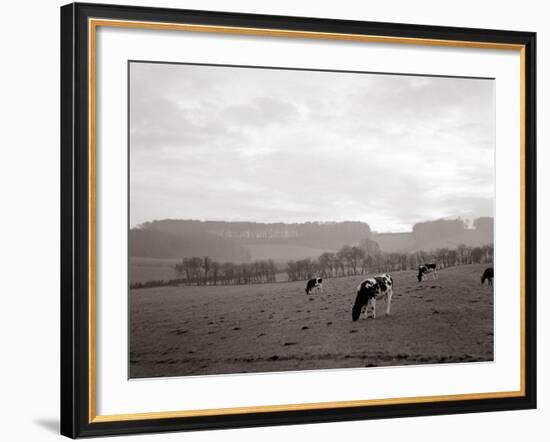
<point>424,269</point>
<point>314,283</point>
<point>488,275</point>
<point>372,290</point>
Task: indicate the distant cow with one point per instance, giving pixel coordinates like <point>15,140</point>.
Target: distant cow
<point>425,269</point>
<point>488,275</point>
<point>314,283</point>
<point>372,290</point>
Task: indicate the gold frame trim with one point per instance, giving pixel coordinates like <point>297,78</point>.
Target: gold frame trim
<point>93,24</point>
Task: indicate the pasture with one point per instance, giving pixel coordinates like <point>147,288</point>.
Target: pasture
<point>188,330</point>
<point>151,269</point>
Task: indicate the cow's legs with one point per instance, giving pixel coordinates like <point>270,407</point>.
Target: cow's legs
<point>368,308</point>
<point>388,301</point>
<point>373,308</point>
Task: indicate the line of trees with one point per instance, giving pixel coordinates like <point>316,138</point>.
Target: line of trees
<point>205,271</point>
<point>367,257</point>
<point>348,261</point>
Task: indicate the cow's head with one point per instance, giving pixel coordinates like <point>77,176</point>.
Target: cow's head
<point>356,311</point>
<point>364,292</point>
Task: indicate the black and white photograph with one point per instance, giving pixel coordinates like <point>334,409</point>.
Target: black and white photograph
<point>275,221</point>
<point>289,219</point>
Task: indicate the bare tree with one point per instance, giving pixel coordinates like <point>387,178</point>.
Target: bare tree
<point>215,272</point>
<point>355,256</point>
<point>342,256</point>
<point>228,272</point>
<point>326,264</point>
<point>206,263</point>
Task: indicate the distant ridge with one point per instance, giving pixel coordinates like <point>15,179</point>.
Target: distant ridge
<point>438,234</point>
<point>309,234</point>
<point>245,241</point>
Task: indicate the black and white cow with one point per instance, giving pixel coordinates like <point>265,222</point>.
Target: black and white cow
<point>372,290</point>
<point>488,275</point>
<point>425,269</point>
<point>314,283</point>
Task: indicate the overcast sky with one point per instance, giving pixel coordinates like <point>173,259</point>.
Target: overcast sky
<point>267,145</point>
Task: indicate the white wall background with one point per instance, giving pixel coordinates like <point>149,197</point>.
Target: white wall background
<point>29,224</point>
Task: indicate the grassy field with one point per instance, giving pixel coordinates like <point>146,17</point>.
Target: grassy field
<point>177,331</point>
<point>151,269</point>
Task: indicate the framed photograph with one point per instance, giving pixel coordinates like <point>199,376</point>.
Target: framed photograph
<point>273,220</point>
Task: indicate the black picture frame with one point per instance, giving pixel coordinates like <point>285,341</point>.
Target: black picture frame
<point>76,401</point>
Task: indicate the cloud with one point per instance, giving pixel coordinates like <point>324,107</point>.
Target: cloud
<point>260,112</point>
<point>276,145</point>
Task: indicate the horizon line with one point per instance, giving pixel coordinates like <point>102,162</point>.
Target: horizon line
<point>450,218</point>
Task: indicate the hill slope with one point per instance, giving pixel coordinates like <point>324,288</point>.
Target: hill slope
<point>245,241</point>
